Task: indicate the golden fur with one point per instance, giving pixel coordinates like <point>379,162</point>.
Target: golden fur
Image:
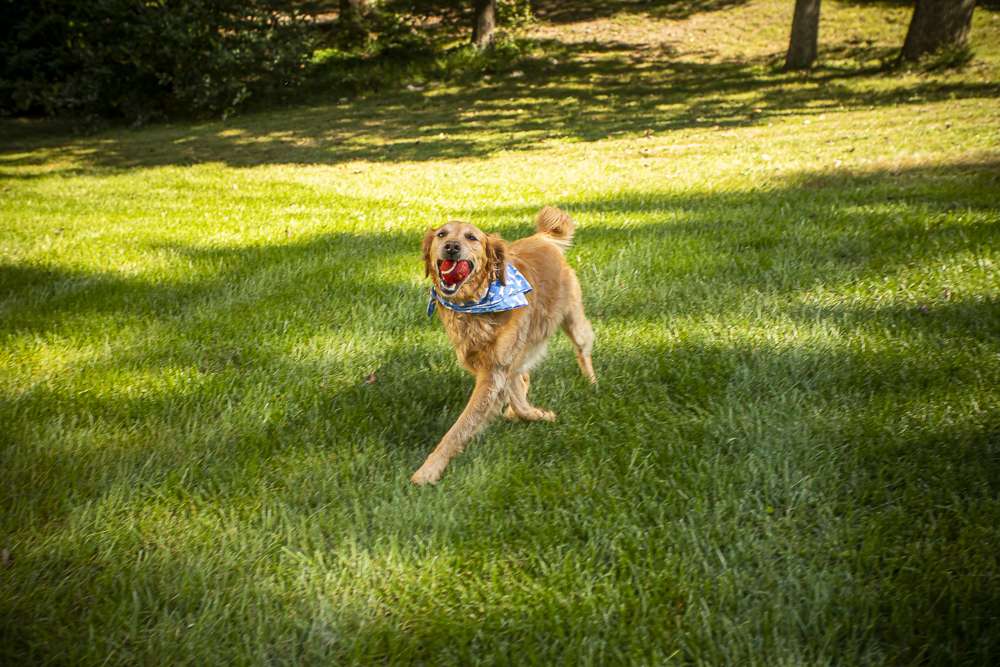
<point>500,349</point>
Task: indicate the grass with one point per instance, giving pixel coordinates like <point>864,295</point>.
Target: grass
<point>793,456</point>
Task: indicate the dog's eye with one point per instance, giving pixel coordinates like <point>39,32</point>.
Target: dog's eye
<point>440,235</point>
<point>471,237</point>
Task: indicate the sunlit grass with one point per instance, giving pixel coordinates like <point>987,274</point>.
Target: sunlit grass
<point>793,456</point>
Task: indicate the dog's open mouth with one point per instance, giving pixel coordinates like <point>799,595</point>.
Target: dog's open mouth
<point>453,273</point>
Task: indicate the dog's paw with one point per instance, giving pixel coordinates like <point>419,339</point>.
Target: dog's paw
<point>546,415</point>
<point>534,415</point>
<point>428,473</point>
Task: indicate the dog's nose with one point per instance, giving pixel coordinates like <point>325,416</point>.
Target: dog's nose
<point>452,248</point>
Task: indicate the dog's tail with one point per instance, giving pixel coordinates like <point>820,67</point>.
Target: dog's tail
<point>556,225</point>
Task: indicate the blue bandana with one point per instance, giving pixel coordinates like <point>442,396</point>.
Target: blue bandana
<point>498,297</point>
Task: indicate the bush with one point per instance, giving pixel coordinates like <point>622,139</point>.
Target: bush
<point>143,59</point>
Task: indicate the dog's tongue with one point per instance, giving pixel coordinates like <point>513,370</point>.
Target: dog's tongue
<point>453,272</point>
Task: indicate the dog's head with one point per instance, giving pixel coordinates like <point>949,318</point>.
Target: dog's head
<point>462,260</point>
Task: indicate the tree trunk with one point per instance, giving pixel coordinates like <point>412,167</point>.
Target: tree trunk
<point>936,24</point>
<point>805,35</point>
<point>486,21</point>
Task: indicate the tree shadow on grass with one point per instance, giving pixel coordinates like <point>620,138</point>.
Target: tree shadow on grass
<point>595,90</point>
<point>907,490</point>
<point>227,316</point>
<point>553,11</point>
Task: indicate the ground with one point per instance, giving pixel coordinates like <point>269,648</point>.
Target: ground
<point>216,371</point>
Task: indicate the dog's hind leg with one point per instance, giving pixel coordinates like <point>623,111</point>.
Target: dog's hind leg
<point>520,408</point>
<point>578,328</point>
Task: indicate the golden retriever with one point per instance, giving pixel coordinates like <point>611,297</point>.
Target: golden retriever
<point>500,348</point>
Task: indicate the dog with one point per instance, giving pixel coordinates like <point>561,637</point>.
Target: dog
<point>500,303</point>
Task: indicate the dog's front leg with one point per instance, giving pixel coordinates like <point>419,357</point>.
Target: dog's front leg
<point>491,386</point>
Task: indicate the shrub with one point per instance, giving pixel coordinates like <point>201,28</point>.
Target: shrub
<point>143,59</point>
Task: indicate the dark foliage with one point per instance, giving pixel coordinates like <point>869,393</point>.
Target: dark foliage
<point>396,37</point>
<point>143,59</point>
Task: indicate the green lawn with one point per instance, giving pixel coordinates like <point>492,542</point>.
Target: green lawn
<point>793,455</point>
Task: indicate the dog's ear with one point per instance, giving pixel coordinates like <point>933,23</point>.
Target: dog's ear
<point>496,255</point>
<point>426,248</point>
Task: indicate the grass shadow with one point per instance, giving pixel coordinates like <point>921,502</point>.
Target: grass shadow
<point>240,383</point>
<point>227,316</point>
<point>561,12</point>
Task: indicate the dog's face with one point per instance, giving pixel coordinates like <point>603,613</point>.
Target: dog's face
<point>462,260</point>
